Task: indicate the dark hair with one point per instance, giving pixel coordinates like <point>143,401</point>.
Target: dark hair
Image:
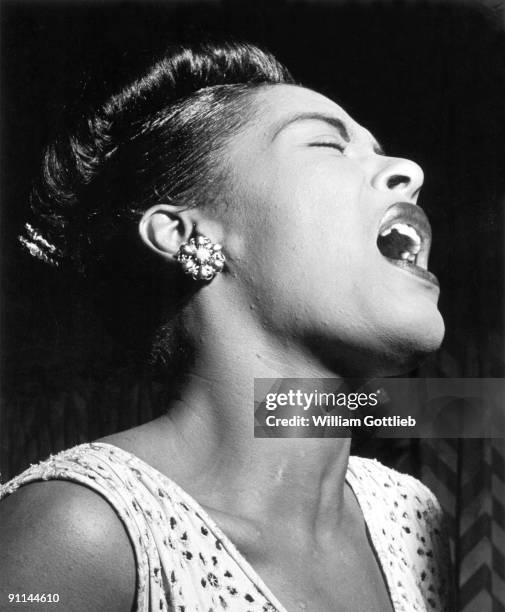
<point>157,140</point>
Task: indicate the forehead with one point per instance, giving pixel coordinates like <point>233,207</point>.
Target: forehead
<point>279,103</point>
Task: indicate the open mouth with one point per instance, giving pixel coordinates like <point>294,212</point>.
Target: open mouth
<point>404,239</point>
<point>400,241</point>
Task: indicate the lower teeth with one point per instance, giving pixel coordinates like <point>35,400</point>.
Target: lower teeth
<point>406,256</point>
<point>400,246</point>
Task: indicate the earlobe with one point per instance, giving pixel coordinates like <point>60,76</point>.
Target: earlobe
<point>164,228</point>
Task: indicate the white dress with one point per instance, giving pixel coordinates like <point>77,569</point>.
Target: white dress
<point>185,563</point>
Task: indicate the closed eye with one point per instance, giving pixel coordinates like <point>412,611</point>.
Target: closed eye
<point>331,145</point>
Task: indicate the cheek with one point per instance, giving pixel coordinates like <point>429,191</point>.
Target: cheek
<point>301,247</point>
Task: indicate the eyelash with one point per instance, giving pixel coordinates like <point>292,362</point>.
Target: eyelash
<point>332,145</point>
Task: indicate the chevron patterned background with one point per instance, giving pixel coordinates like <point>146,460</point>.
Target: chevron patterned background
<point>468,477</point>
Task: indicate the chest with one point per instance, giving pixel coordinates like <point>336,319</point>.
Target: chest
<point>347,580</point>
<point>337,570</point>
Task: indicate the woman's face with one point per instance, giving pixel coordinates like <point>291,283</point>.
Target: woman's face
<point>311,194</point>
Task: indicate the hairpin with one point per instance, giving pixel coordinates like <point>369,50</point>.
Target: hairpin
<point>38,246</point>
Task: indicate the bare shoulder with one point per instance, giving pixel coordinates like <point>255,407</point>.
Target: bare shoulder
<point>61,537</point>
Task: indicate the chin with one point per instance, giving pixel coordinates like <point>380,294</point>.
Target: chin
<point>410,345</point>
<point>402,341</point>
<point>383,346</point>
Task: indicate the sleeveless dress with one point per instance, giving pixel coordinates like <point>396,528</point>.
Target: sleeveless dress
<point>185,563</point>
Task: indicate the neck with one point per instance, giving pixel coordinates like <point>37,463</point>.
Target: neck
<point>272,478</point>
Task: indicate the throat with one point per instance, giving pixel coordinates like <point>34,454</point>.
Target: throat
<point>305,484</point>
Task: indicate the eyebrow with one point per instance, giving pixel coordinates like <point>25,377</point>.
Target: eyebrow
<point>330,120</point>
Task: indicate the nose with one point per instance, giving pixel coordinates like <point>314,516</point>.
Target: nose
<point>399,175</point>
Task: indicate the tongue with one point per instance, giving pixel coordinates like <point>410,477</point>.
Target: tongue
<point>394,244</point>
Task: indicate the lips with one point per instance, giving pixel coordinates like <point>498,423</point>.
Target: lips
<point>404,239</point>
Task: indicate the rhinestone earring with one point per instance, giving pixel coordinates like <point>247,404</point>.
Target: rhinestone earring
<point>201,258</point>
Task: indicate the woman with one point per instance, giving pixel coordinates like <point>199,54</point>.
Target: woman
<point>216,145</point>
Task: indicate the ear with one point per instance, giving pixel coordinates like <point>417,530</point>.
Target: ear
<point>164,228</point>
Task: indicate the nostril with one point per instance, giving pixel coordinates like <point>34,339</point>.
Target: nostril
<point>398,179</point>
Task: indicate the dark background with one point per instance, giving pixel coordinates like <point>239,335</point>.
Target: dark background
<point>427,78</point>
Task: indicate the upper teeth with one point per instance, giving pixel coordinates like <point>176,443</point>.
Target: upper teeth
<point>406,230</point>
